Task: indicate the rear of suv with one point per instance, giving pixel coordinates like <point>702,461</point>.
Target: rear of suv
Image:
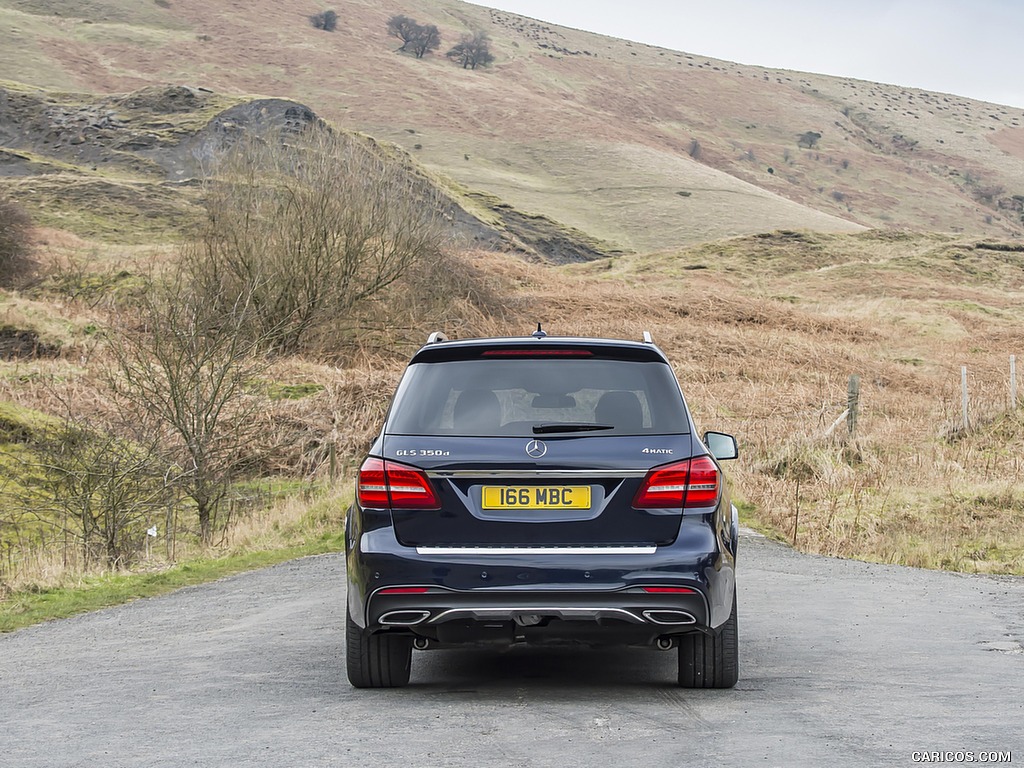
<point>541,490</point>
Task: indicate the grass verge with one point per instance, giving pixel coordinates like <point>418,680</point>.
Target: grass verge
<point>27,607</point>
<point>296,526</point>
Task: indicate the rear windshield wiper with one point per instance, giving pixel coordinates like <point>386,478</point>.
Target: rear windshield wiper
<point>540,429</point>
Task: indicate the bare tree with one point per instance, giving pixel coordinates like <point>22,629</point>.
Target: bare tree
<point>426,38</point>
<point>96,489</point>
<point>419,38</point>
<point>404,28</point>
<point>186,367</point>
<point>472,51</point>
<point>306,226</point>
<point>808,139</point>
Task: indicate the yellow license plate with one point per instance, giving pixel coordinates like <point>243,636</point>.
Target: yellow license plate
<point>536,497</point>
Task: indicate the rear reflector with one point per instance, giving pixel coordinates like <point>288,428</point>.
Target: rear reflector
<point>390,485</point>
<point>690,484</point>
<point>403,591</point>
<point>668,590</point>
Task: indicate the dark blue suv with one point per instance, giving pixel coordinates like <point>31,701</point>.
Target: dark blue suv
<point>541,490</point>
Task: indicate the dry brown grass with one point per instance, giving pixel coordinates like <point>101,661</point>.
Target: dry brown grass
<point>292,520</point>
<point>764,350</point>
<point>763,340</point>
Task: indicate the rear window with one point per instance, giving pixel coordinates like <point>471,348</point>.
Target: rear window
<point>513,397</point>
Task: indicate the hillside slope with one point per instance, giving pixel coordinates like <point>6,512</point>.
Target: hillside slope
<point>128,167</point>
<point>644,147</point>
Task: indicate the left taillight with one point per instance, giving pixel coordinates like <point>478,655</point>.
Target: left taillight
<point>689,484</point>
<point>390,485</point>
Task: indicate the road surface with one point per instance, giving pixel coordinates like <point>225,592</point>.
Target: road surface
<point>842,664</point>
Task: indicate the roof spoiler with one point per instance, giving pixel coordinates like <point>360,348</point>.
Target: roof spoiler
<point>437,337</point>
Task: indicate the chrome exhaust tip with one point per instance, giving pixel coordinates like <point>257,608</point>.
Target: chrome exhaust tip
<point>421,643</point>
<point>402,618</point>
<point>665,644</point>
<point>669,617</point>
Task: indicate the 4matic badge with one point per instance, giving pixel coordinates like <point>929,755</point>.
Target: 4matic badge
<point>657,450</point>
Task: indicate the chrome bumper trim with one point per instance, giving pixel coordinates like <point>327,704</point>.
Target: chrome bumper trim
<point>490,551</point>
<point>513,613</point>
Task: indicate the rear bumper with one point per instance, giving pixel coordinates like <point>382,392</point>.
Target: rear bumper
<point>594,594</point>
<point>628,616</point>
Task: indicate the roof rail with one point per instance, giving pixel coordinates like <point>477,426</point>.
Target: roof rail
<point>436,337</point>
<point>647,338</point>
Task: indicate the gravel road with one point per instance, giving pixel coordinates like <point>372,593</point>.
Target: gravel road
<point>842,664</point>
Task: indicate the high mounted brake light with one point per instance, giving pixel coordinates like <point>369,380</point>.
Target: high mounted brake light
<point>689,484</point>
<point>538,353</point>
<point>390,485</point>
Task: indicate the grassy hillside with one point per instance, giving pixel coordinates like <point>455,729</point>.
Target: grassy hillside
<point>643,147</point>
<point>129,168</point>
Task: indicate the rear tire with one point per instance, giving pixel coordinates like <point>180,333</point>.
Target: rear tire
<point>376,661</point>
<point>711,660</point>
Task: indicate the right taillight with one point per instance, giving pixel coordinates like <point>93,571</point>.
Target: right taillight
<point>389,485</point>
<point>688,484</point>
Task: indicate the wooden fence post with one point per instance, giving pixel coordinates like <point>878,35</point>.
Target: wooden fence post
<point>963,396</point>
<point>796,517</point>
<point>1013,382</point>
<point>852,404</point>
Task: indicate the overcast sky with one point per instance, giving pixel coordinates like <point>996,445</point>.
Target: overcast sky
<point>967,47</point>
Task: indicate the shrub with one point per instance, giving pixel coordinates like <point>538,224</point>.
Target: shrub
<point>325,20</point>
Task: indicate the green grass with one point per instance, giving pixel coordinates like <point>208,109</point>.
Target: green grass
<point>972,306</point>
<point>91,593</point>
<point>133,212</point>
<point>19,424</point>
<point>278,391</point>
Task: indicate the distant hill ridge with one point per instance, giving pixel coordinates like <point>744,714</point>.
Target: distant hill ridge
<point>641,148</point>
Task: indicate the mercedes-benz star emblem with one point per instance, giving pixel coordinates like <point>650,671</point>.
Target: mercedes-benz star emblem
<point>535,449</point>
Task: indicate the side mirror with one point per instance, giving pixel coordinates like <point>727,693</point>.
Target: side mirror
<point>721,445</point>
